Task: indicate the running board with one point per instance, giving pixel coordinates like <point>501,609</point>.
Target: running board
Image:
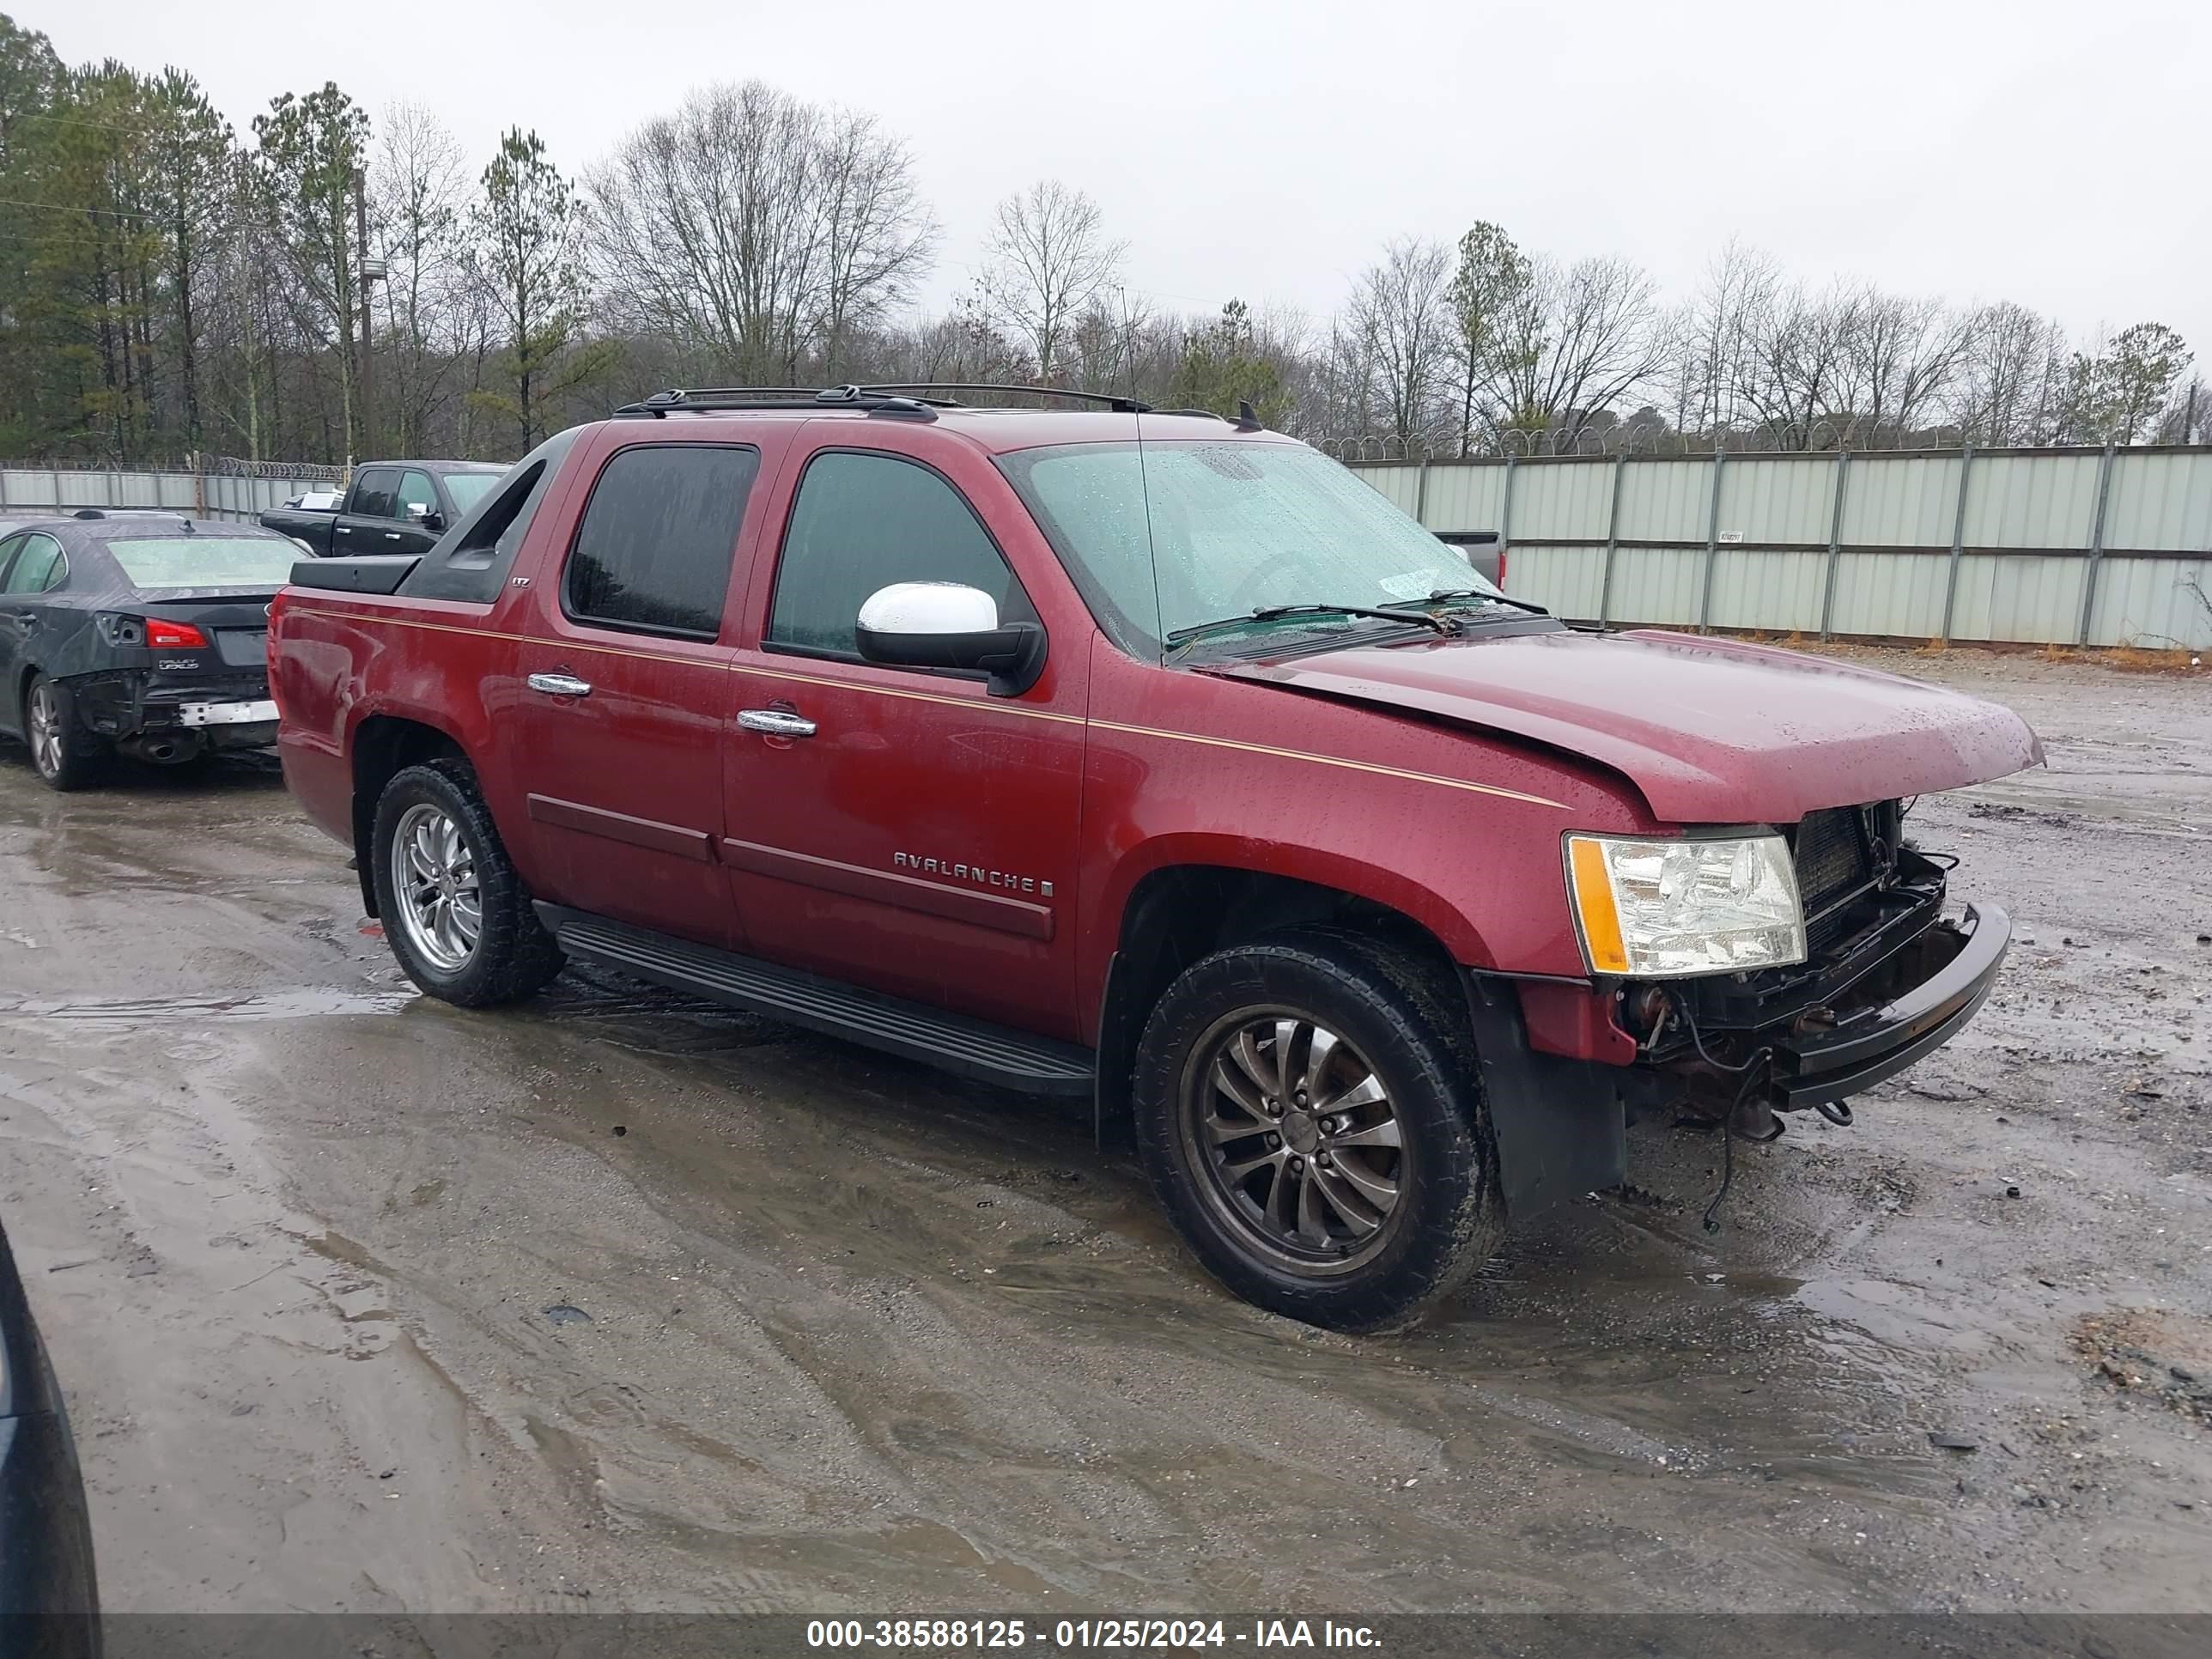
<point>972,1048</point>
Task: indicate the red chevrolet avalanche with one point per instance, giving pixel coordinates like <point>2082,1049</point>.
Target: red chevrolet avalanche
<point>1150,756</point>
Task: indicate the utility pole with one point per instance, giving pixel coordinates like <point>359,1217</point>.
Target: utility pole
<point>370,269</point>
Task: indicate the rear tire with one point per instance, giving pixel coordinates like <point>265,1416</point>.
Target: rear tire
<point>63,753</point>
<point>1314,1126</point>
<point>457,914</point>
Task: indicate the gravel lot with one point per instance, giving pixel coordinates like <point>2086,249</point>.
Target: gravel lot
<point>618,1301</point>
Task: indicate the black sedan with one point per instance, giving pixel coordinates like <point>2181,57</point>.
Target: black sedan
<point>135,633</point>
<point>49,1601</point>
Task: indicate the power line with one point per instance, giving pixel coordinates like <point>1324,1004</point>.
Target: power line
<point>79,121</point>
<point>66,207</point>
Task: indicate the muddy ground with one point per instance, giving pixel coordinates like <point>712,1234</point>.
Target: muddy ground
<point>615,1301</point>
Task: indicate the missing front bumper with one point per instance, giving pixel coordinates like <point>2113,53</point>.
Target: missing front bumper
<point>1948,975</point>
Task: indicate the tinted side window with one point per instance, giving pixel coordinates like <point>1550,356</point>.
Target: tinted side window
<point>374,491</point>
<point>862,522</point>
<point>8,549</point>
<point>654,549</point>
<point>416,490</point>
<point>37,568</point>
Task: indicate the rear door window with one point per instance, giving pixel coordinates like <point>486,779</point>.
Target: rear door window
<point>864,520</point>
<point>374,492</point>
<point>654,551</point>
<point>37,568</point>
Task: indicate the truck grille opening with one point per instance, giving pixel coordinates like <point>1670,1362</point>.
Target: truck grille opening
<point>1843,854</point>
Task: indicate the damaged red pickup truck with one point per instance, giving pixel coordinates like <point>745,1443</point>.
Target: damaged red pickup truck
<point>1148,756</point>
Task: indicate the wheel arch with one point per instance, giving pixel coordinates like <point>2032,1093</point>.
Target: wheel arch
<point>382,747</point>
<point>1176,913</point>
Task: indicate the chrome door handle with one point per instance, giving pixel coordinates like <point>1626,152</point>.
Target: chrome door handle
<point>775,722</point>
<point>391,535</point>
<point>559,685</point>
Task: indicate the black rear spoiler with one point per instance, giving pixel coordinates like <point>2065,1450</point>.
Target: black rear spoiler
<point>378,572</point>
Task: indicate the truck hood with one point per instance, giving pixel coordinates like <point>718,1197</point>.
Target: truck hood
<point>1711,731</point>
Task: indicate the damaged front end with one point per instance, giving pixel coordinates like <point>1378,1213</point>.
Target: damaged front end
<point>1886,979</point>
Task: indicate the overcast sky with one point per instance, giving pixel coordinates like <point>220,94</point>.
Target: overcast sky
<point>2052,152</point>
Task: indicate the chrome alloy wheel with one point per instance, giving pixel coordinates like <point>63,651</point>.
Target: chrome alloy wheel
<point>1300,1146</point>
<point>434,876</point>
<point>45,730</point>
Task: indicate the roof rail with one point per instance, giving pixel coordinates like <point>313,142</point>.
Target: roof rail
<point>705,400</point>
<point>907,397</point>
<point>1112,400</point>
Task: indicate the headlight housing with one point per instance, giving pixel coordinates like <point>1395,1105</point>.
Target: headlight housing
<point>1671,909</point>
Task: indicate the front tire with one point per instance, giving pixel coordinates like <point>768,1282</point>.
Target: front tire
<point>1315,1127</point>
<point>63,753</point>
<point>456,912</point>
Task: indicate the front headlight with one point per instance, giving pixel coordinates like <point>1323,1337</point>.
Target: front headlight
<point>1667,909</point>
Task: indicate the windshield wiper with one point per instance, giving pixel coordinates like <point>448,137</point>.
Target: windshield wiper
<point>1460,595</point>
<point>1270,612</point>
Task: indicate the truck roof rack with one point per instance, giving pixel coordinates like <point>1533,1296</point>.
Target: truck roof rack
<point>1119,405</point>
<point>911,399</point>
<point>723,400</point>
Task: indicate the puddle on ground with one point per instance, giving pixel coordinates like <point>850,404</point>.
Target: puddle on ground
<point>305,1002</point>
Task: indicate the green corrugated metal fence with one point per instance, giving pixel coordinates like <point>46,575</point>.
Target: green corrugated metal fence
<point>2040,546</point>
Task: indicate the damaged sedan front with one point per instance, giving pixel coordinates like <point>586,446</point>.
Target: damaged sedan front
<point>139,634</point>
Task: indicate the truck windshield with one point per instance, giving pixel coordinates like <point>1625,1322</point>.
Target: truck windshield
<point>1189,533</point>
<point>467,488</point>
<point>205,561</point>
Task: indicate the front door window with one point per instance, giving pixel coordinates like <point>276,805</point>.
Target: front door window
<point>862,522</point>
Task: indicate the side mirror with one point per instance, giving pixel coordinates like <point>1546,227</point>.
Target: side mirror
<point>425,516</point>
<point>949,625</point>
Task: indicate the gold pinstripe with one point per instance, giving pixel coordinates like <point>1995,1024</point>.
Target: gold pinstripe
<point>1330,760</point>
<point>994,708</point>
<point>968,703</point>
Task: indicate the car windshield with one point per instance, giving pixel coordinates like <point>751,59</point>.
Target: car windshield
<point>1192,532</point>
<point>467,488</point>
<point>206,561</point>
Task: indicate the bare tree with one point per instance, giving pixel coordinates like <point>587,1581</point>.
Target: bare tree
<point>1399,327</point>
<point>966,343</point>
<point>1106,343</point>
<point>1572,343</point>
<point>2013,362</point>
<point>1049,256</point>
<point>878,235</point>
<point>418,186</point>
<point>1900,360</point>
<point>1789,381</point>
<point>1709,340</point>
<point>756,229</point>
